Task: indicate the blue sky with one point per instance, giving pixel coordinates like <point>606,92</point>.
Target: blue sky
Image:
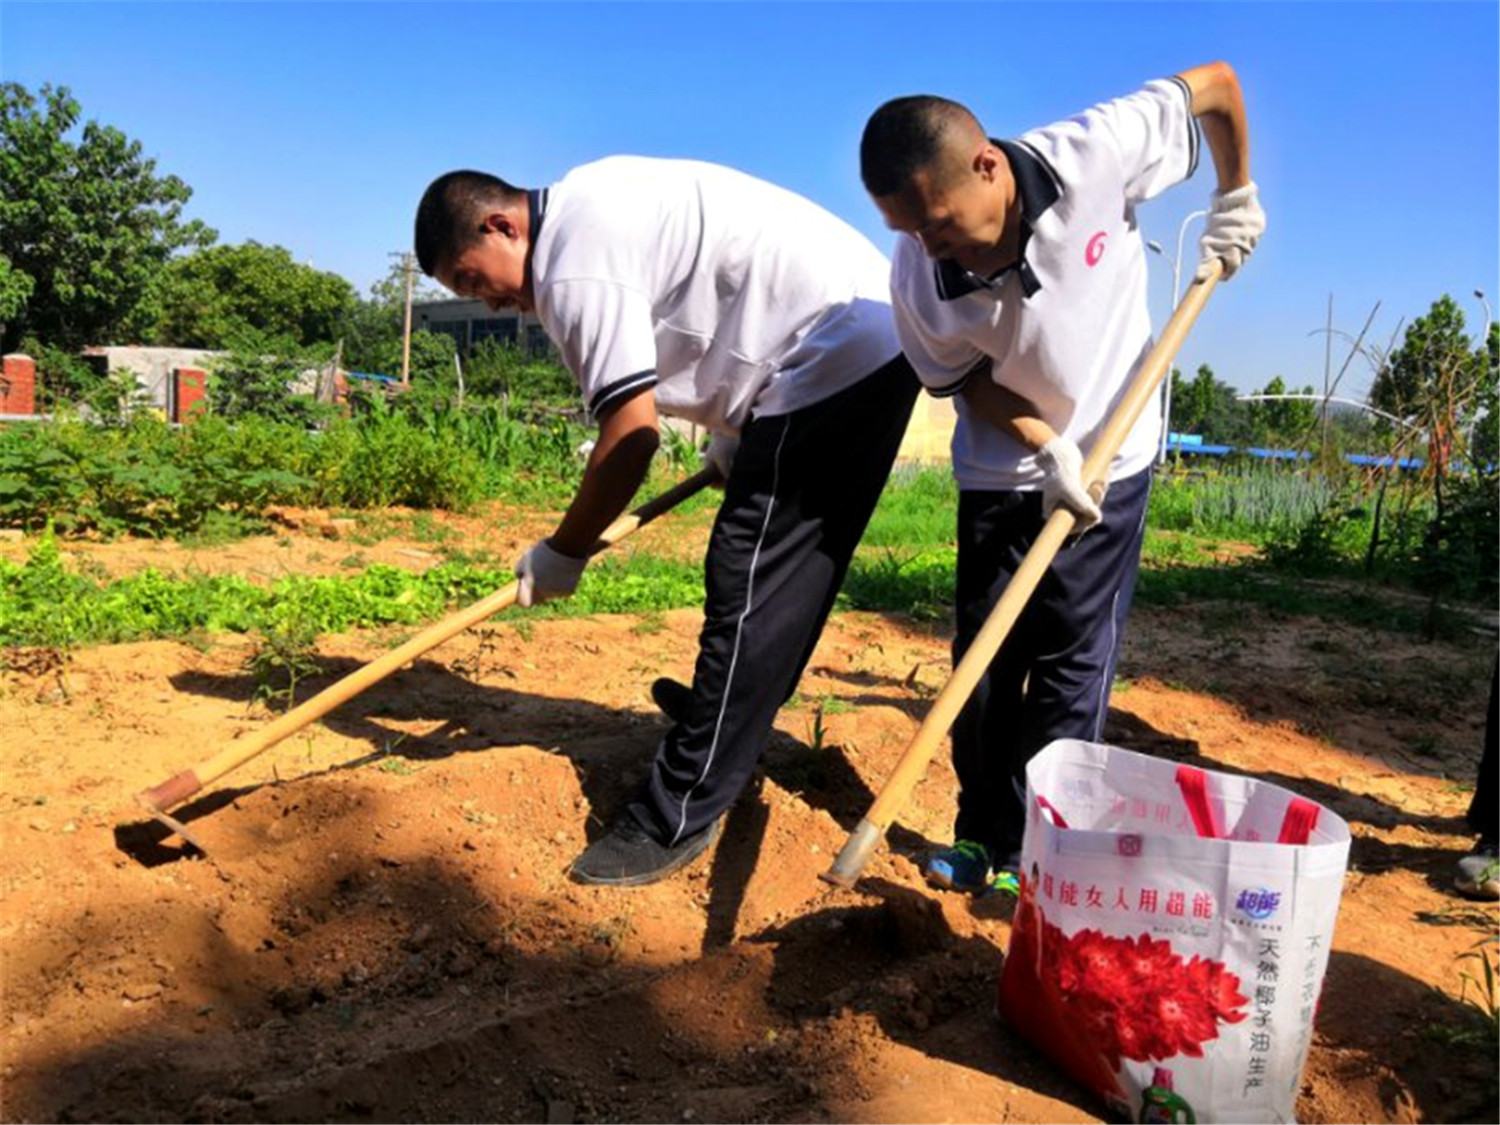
<point>316,126</point>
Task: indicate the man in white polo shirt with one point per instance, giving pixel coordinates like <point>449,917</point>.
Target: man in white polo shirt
<point>694,290</point>
<point>1019,285</point>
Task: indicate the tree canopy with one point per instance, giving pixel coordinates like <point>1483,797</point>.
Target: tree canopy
<point>1439,381</point>
<point>85,221</point>
<point>222,296</point>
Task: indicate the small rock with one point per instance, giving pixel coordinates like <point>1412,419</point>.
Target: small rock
<point>420,937</point>
<point>597,956</point>
<point>141,990</point>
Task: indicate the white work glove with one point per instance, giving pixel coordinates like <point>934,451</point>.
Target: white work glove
<point>1235,224</point>
<point>1063,483</point>
<point>720,453</point>
<point>544,574</point>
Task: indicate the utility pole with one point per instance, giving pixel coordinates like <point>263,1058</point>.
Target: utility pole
<point>406,330</point>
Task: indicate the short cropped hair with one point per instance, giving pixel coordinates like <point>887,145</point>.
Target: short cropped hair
<point>907,135</point>
<point>451,214</point>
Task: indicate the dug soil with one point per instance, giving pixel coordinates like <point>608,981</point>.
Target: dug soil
<point>383,928</point>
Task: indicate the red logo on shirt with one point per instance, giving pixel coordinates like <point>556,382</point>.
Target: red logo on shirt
<point>1095,249</point>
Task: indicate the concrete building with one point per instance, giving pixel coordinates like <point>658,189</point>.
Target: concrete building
<point>156,371</point>
<point>470,323</point>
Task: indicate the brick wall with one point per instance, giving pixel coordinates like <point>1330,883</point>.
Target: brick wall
<point>18,385</point>
<point>188,389</point>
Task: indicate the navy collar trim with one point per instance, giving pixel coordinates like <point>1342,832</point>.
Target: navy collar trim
<point>1039,188</point>
<point>536,206</point>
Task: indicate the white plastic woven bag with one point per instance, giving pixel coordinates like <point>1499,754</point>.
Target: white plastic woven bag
<point>1174,926</point>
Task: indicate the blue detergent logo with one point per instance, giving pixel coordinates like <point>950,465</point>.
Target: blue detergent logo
<point>1258,902</point>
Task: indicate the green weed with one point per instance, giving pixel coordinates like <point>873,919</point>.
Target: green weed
<point>286,655</point>
<point>1479,993</point>
<point>918,509</point>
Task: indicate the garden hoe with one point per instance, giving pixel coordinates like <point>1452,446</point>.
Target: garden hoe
<point>175,790</point>
<point>913,764</point>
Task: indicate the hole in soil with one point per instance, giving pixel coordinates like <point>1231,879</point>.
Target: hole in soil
<point>146,841</point>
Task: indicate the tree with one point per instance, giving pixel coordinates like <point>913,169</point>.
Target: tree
<point>222,296</point>
<point>372,328</point>
<point>1203,406</point>
<point>1484,438</point>
<point>1285,421</point>
<point>1443,387</point>
<point>1438,382</point>
<point>84,225</point>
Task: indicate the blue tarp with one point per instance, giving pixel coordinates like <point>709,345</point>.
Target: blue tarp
<point>1279,454</point>
<point>1194,444</point>
<point>1384,462</point>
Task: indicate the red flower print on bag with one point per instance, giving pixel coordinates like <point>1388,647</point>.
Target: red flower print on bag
<point>1122,997</point>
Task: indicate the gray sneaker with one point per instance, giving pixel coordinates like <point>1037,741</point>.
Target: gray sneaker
<point>628,856</point>
<point>1478,873</point>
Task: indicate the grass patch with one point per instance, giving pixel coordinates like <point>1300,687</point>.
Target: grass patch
<point>220,528</point>
<point>917,510</point>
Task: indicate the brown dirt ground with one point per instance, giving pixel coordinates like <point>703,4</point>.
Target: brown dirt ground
<point>385,931</point>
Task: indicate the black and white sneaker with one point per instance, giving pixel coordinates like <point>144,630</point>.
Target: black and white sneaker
<point>1478,873</point>
<point>672,697</point>
<point>628,856</point>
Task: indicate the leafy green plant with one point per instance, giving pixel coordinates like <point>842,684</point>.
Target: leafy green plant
<point>817,730</point>
<point>1252,503</point>
<point>918,583</point>
<point>917,510</point>
<point>286,655</point>
<point>1479,983</point>
<point>261,376</point>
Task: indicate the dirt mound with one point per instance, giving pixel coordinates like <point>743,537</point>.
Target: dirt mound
<point>385,930</point>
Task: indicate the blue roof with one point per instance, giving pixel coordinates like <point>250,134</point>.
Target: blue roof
<point>1194,444</point>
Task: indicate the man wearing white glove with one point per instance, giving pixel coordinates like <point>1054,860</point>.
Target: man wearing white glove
<point>1062,483</point>
<point>543,574</point>
<point>1019,287</point>
<point>683,288</point>
<point>1235,224</point>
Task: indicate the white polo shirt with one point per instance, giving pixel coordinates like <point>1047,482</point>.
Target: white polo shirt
<point>728,295</point>
<point>1067,326</point>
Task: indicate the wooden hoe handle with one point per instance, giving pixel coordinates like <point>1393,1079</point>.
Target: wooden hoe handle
<point>177,789</point>
<point>913,764</point>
